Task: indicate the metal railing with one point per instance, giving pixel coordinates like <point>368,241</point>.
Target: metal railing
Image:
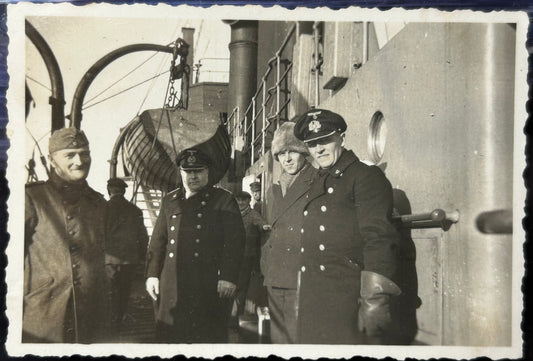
<point>254,139</point>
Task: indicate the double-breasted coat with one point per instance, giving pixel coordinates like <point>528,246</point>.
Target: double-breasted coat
<point>195,243</point>
<point>281,252</point>
<point>346,228</point>
<point>64,278</point>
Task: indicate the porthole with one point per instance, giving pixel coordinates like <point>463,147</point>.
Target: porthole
<point>377,137</point>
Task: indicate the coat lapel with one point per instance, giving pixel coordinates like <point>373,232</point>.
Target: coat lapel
<point>297,190</point>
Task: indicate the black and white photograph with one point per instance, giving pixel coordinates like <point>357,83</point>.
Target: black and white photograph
<point>262,181</point>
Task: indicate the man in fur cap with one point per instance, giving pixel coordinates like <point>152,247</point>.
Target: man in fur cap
<point>280,254</point>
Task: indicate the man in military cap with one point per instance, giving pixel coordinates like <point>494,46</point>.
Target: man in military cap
<point>194,256</point>
<point>255,188</point>
<point>64,278</point>
<point>348,260</point>
<point>125,248</point>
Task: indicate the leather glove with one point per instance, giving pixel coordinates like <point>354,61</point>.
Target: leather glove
<point>374,312</point>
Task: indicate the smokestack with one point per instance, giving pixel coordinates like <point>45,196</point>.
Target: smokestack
<point>243,64</point>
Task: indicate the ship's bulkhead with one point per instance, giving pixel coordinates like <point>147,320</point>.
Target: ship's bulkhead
<point>432,105</point>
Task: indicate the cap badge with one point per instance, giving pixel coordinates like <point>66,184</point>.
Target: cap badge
<point>314,114</point>
<point>191,159</point>
<point>314,126</point>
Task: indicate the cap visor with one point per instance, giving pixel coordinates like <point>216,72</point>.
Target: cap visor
<point>319,136</point>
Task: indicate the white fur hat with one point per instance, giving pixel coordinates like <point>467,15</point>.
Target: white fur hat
<point>284,139</point>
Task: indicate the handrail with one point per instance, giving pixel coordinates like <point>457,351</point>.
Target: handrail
<point>254,110</point>
<point>435,218</point>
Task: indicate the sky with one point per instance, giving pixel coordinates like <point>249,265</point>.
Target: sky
<point>78,43</point>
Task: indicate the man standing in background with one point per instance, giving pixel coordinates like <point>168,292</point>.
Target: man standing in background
<point>64,278</point>
<point>250,285</point>
<point>280,254</point>
<point>255,188</point>
<point>348,253</point>
<point>125,249</point>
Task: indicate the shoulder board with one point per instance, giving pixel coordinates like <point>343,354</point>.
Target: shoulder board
<point>33,184</point>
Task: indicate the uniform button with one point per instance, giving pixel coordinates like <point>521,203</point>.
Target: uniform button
<point>322,228</point>
<point>290,228</point>
<point>172,228</point>
<point>173,216</point>
<point>199,215</point>
<point>321,247</point>
<point>302,230</point>
<point>75,283</point>
<point>174,196</point>
<point>203,203</point>
<point>323,208</point>
<point>71,233</point>
<point>196,254</point>
<point>75,265</point>
<point>322,268</point>
<point>207,195</point>
<point>198,226</point>
<point>171,254</point>
<point>288,248</point>
<point>197,240</point>
<point>330,190</point>
<point>69,217</point>
<point>305,213</point>
<point>303,268</point>
<point>172,241</point>
<point>302,250</point>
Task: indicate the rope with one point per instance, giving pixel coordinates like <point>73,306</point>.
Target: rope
<point>38,82</point>
<point>125,90</point>
<point>122,78</point>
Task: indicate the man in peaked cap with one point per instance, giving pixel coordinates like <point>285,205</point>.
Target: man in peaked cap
<point>64,278</point>
<point>280,254</point>
<point>347,260</point>
<point>125,249</point>
<point>255,188</point>
<point>194,257</point>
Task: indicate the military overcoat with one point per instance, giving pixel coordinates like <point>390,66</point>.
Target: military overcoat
<point>195,243</point>
<point>126,239</point>
<point>346,228</point>
<point>281,252</point>
<point>64,278</point>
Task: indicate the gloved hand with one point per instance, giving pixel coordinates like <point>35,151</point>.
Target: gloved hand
<point>226,289</point>
<point>374,312</point>
<point>152,287</point>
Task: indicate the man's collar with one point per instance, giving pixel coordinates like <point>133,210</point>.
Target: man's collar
<point>345,160</point>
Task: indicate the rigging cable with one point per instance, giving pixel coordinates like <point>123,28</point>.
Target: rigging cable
<point>42,157</point>
<point>122,78</point>
<point>125,90</point>
<point>38,82</point>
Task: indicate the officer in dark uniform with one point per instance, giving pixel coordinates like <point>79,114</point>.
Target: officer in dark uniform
<point>64,277</point>
<point>194,257</point>
<point>255,188</point>
<point>125,247</point>
<point>348,253</point>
